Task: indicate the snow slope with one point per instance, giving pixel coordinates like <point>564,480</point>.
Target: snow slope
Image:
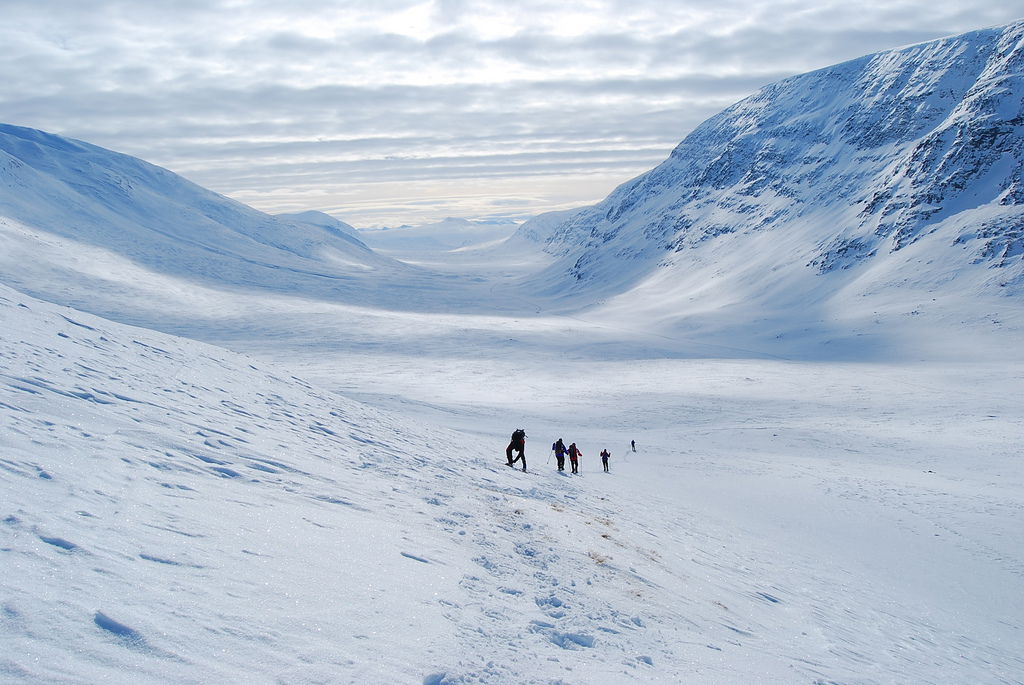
<point>176,513</point>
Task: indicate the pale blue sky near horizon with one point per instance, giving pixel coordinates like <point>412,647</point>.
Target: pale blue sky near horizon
<point>406,111</point>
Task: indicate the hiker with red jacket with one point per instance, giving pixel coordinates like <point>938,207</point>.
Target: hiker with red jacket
<point>574,457</point>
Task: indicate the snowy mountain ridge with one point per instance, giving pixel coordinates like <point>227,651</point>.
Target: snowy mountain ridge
<point>60,197</point>
<point>849,165</point>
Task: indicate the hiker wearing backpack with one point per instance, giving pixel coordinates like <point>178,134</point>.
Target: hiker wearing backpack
<point>559,449</point>
<point>574,457</point>
<point>604,459</point>
<point>517,444</point>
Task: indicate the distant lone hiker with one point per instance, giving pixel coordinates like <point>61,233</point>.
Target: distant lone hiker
<point>517,444</point>
<point>604,459</point>
<point>574,457</point>
<point>559,450</point>
<point>632,443</point>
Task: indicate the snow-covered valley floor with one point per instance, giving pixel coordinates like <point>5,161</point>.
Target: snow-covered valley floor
<point>174,512</point>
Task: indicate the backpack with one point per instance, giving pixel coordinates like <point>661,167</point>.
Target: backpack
<point>518,435</point>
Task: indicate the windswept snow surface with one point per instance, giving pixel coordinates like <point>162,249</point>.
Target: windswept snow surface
<point>177,513</point>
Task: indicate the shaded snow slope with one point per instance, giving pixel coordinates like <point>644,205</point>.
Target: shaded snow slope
<point>900,171</point>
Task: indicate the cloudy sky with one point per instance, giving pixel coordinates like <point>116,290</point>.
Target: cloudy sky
<point>385,112</point>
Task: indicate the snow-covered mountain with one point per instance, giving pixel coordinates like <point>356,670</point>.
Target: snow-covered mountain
<point>896,171</point>
<point>68,207</point>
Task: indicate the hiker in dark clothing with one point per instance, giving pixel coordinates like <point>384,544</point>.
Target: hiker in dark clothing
<point>604,459</point>
<point>574,457</point>
<point>559,449</point>
<point>632,443</point>
<point>517,444</point>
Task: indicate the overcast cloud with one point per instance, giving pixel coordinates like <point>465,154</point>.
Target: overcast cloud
<point>398,111</point>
